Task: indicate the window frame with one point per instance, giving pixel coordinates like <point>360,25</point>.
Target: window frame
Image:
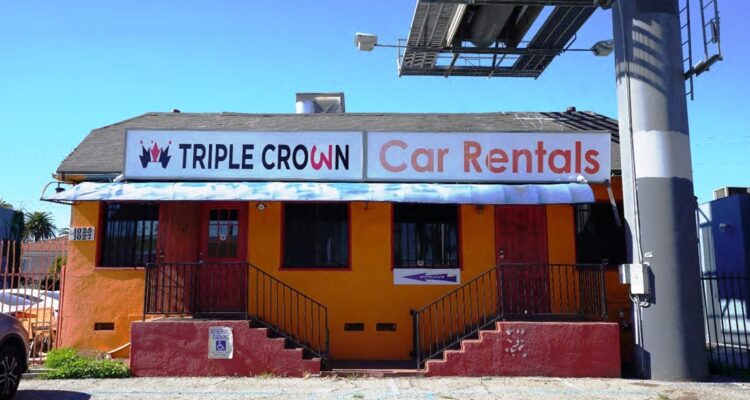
<point>459,240</point>
<point>101,231</point>
<point>242,230</point>
<point>610,261</point>
<point>283,246</point>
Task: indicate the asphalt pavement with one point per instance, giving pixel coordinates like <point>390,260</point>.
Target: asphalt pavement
<point>375,388</point>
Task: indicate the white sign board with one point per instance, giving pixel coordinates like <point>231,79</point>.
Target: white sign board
<point>521,157</point>
<point>488,157</point>
<point>219,155</point>
<point>426,276</point>
<point>81,233</point>
<point>220,342</point>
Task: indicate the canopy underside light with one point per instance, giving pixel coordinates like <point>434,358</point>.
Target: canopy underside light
<point>566,193</point>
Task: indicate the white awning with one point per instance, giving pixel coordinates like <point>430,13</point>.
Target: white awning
<point>564,193</point>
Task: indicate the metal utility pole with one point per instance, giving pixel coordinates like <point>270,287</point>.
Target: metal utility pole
<point>658,188</point>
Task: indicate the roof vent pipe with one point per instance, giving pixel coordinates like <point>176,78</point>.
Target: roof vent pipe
<point>305,107</point>
<point>320,103</point>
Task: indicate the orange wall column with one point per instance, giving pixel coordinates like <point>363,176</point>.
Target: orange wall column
<point>561,250</point>
<point>97,294</point>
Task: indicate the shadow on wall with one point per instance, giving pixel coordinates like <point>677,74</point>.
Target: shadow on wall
<point>50,394</point>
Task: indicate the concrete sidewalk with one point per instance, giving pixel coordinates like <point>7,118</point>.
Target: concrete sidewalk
<point>372,388</point>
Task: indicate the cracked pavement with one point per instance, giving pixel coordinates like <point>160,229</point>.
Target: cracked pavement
<point>376,388</point>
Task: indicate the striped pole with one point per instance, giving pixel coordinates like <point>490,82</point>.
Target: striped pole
<point>658,186</point>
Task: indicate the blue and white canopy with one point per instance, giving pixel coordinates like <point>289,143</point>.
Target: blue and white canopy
<point>446,193</point>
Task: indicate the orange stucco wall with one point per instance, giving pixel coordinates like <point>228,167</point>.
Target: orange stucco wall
<point>363,294</point>
<point>366,293</point>
<point>94,295</point>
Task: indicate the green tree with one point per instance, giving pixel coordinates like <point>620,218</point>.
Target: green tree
<point>39,226</point>
<point>5,204</point>
<point>63,231</point>
<point>16,227</point>
<point>15,231</point>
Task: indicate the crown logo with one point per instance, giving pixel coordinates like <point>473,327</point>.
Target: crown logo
<point>155,154</point>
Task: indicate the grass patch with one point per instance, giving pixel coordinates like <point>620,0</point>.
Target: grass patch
<point>68,364</point>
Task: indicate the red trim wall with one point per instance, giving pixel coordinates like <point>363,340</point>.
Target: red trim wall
<point>179,348</point>
<point>561,349</point>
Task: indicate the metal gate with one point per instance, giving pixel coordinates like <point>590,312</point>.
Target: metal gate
<point>725,301</point>
<point>30,290</point>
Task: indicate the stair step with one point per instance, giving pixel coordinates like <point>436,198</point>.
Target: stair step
<point>449,353</point>
<point>433,362</point>
<point>470,342</point>
<point>373,373</point>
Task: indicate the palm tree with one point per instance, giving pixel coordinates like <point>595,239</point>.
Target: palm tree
<point>39,226</point>
<point>64,231</point>
<point>5,204</point>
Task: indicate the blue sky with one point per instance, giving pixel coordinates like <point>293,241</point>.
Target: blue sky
<point>69,67</point>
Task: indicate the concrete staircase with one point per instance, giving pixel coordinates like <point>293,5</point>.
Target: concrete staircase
<point>562,349</point>
<point>373,369</point>
<point>178,347</point>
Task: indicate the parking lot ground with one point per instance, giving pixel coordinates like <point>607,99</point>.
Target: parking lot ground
<point>376,388</point>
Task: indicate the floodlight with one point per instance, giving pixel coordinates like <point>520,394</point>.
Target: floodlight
<point>365,41</point>
<point>603,48</point>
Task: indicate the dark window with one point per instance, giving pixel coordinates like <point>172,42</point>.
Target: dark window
<point>425,236</point>
<point>598,237</point>
<point>129,234</point>
<point>223,233</point>
<point>316,235</point>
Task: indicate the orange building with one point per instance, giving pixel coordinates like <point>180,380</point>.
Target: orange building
<point>351,236</point>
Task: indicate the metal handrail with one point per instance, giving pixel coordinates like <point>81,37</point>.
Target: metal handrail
<point>508,292</point>
<point>191,288</point>
<point>290,313</point>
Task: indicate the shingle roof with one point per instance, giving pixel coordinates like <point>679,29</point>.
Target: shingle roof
<point>101,152</point>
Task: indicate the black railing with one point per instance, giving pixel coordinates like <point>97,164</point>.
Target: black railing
<point>725,301</point>
<point>289,312</point>
<point>197,288</point>
<point>508,292</point>
<point>238,290</point>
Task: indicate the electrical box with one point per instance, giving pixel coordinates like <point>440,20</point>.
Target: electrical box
<point>636,275</point>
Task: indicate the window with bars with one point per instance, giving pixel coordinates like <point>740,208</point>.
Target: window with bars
<point>223,233</point>
<point>425,236</point>
<point>598,237</point>
<point>129,234</point>
<point>316,235</point>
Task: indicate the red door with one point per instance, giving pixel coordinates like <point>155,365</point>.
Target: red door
<point>521,251</point>
<point>222,277</point>
<point>179,232</point>
<point>170,287</point>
